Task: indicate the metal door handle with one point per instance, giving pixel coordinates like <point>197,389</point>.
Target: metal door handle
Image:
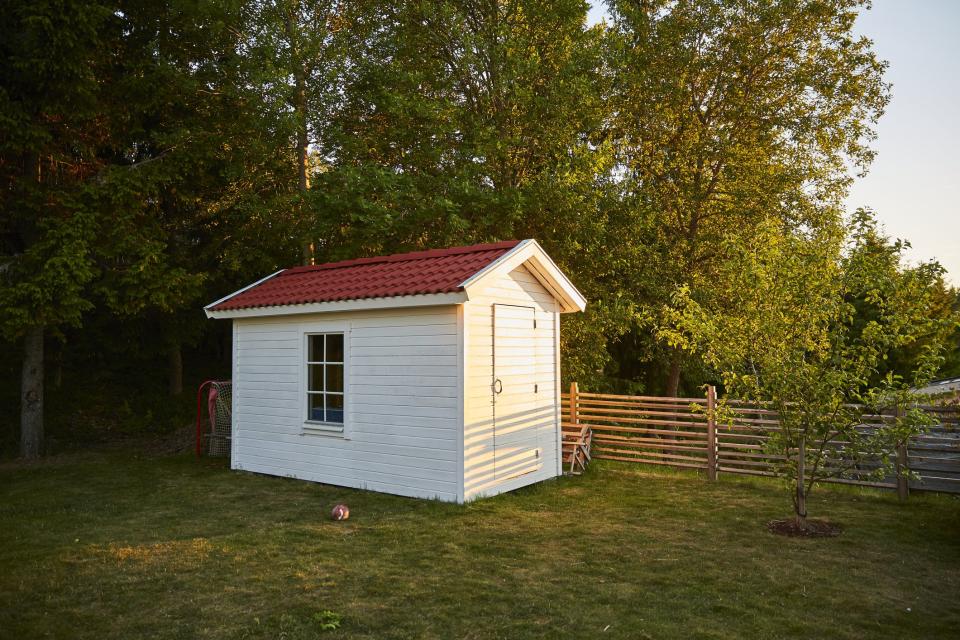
<point>497,386</point>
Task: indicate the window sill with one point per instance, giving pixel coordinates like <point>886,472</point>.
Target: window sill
<point>322,429</point>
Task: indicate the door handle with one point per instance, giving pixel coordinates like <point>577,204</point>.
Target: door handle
<point>497,386</point>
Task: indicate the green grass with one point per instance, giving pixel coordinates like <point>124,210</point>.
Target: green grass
<point>116,546</point>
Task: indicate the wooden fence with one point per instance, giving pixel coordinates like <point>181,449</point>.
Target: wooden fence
<point>680,432</point>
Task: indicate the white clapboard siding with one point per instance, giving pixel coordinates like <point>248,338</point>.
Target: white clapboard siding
<point>419,402</point>
<point>520,288</point>
<point>402,429</point>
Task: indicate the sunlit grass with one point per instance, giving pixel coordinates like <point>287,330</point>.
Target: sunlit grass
<point>117,546</point>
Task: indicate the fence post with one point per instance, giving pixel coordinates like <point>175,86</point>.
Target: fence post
<point>711,433</point>
<point>574,391</point>
<point>903,485</point>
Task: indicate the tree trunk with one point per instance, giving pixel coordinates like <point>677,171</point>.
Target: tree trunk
<point>302,139</point>
<point>31,395</point>
<point>800,502</point>
<point>175,360</point>
<point>673,378</point>
<point>303,144</point>
<point>57,373</point>
<point>308,257</point>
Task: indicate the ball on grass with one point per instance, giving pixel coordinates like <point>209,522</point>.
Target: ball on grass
<point>340,512</point>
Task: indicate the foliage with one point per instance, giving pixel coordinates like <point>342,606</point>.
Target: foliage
<point>793,338</point>
<point>477,121</point>
<point>158,155</point>
<point>729,113</point>
<point>878,279</point>
<point>294,628</point>
<point>48,99</point>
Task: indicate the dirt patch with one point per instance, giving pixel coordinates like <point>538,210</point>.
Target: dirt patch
<point>811,529</point>
<point>178,441</point>
<point>162,444</point>
<point>174,442</point>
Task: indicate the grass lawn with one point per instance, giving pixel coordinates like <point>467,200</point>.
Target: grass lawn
<point>117,546</point>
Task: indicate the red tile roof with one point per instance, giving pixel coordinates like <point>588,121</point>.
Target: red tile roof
<point>403,274</point>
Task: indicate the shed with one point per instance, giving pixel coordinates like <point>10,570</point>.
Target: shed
<point>433,374</point>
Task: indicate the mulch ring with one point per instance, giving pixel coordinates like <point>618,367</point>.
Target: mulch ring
<point>811,529</point>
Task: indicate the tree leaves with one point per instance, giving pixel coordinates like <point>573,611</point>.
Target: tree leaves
<point>150,160</point>
<point>807,329</point>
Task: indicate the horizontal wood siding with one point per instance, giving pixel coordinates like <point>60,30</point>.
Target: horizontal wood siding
<point>402,426</point>
<point>519,287</point>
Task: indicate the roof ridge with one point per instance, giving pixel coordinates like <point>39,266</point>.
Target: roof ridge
<point>405,257</point>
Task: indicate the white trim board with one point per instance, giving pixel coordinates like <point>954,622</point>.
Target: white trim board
<point>239,291</point>
<point>530,253</point>
<point>363,304</point>
<point>526,252</point>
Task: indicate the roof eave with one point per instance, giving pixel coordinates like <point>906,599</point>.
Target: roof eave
<point>209,308</point>
<point>360,304</point>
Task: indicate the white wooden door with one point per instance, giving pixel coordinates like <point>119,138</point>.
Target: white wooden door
<point>516,394</point>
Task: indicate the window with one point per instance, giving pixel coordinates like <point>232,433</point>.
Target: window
<point>325,378</point>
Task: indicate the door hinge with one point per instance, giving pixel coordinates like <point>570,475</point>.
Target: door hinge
<point>534,323</point>
<point>535,385</point>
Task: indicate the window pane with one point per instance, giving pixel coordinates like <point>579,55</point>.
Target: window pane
<point>315,407</point>
<point>335,347</point>
<point>334,408</point>
<point>334,377</point>
<point>325,382</point>
<point>315,381</point>
<point>316,349</point>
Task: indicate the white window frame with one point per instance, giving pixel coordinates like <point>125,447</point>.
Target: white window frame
<point>315,427</point>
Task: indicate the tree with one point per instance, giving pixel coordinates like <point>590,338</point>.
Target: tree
<point>729,112</point>
<point>49,168</point>
<point>126,132</point>
<point>877,272</point>
<point>789,337</point>
<point>297,47</point>
<point>195,146</point>
<point>476,121</point>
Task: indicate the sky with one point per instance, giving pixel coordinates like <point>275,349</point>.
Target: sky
<point>914,182</point>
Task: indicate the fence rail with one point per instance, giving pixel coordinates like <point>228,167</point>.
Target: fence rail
<point>681,432</point>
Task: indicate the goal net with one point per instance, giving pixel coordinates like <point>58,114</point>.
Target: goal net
<point>214,419</point>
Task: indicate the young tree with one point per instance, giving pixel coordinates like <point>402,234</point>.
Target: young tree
<point>789,338</point>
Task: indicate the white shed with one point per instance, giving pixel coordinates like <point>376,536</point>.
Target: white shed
<point>433,374</point>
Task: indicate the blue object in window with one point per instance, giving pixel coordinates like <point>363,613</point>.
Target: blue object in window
<point>334,415</point>
<point>317,414</point>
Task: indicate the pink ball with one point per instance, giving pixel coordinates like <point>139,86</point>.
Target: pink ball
<point>340,512</point>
